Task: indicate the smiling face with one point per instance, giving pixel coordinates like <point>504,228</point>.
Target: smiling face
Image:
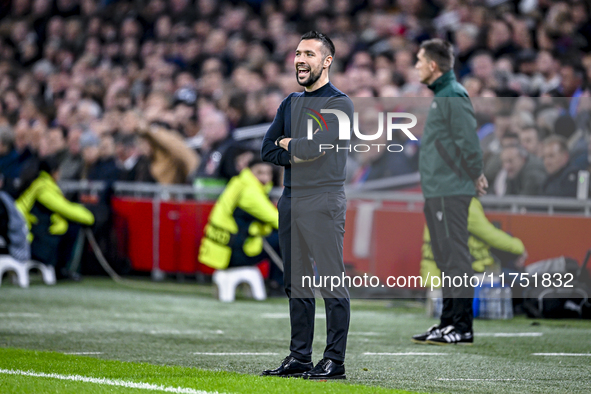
<point>311,61</point>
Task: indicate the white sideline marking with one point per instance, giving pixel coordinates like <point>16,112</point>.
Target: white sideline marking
<point>179,332</point>
<point>365,334</point>
<point>405,354</point>
<point>563,354</point>
<point>108,382</point>
<point>477,380</point>
<point>19,314</point>
<point>235,354</point>
<point>84,353</point>
<point>509,334</point>
<point>284,316</point>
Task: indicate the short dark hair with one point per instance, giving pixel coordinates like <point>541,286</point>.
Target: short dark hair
<point>521,151</point>
<point>510,135</point>
<point>61,129</point>
<point>256,160</point>
<point>50,164</point>
<point>559,140</point>
<point>441,52</point>
<point>323,38</point>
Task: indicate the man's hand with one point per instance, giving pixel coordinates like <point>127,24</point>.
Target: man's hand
<point>284,143</point>
<point>481,184</point>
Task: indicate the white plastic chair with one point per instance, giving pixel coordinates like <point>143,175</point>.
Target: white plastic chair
<point>8,263</point>
<point>228,280</point>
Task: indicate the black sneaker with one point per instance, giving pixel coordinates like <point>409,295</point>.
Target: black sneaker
<point>290,368</point>
<point>422,338</point>
<point>466,339</point>
<point>449,336</point>
<point>326,369</point>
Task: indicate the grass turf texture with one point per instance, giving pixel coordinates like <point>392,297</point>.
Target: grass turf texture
<point>167,376</point>
<point>166,324</point>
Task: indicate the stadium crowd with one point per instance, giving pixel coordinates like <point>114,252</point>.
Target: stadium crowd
<point>152,90</point>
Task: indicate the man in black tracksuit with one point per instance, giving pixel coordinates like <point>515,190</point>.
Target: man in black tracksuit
<point>450,164</point>
<point>312,208</point>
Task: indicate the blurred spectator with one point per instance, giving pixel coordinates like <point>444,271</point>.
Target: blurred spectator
<point>218,149</point>
<point>530,140</point>
<point>499,39</point>
<point>525,174</point>
<point>547,77</point>
<point>571,82</point>
<point>9,163</point>
<point>562,174</point>
<point>171,160</point>
<point>54,144</point>
<point>101,165</point>
<point>583,160</point>
<point>71,165</point>
<point>13,229</point>
<point>378,162</point>
<point>566,127</point>
<point>491,143</point>
<point>493,167</point>
<point>48,213</point>
<point>134,165</point>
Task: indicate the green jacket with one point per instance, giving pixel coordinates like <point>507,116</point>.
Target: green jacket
<point>483,236</point>
<point>450,156</point>
<point>46,192</point>
<point>247,197</point>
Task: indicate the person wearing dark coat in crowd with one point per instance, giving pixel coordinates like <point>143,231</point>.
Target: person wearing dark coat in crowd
<point>9,157</point>
<point>525,173</point>
<point>562,173</point>
<point>133,165</point>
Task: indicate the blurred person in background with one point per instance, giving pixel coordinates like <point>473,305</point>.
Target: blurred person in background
<point>71,165</point>
<point>133,164</point>
<point>104,167</point>
<point>9,163</point>
<point>530,140</point>
<point>218,150</point>
<point>54,144</point>
<point>563,177</point>
<point>494,164</point>
<point>13,229</point>
<point>171,160</point>
<point>50,218</point>
<point>241,219</point>
<point>547,77</point>
<point>525,174</point>
<point>378,162</point>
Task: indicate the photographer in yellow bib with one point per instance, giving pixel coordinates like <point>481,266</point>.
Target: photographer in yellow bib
<point>241,219</point>
<point>53,221</point>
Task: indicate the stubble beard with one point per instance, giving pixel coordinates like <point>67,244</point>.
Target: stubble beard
<point>311,80</point>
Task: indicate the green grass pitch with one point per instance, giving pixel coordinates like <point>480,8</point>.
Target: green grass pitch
<point>170,337</point>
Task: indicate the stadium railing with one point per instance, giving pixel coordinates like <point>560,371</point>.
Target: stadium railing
<point>371,191</point>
